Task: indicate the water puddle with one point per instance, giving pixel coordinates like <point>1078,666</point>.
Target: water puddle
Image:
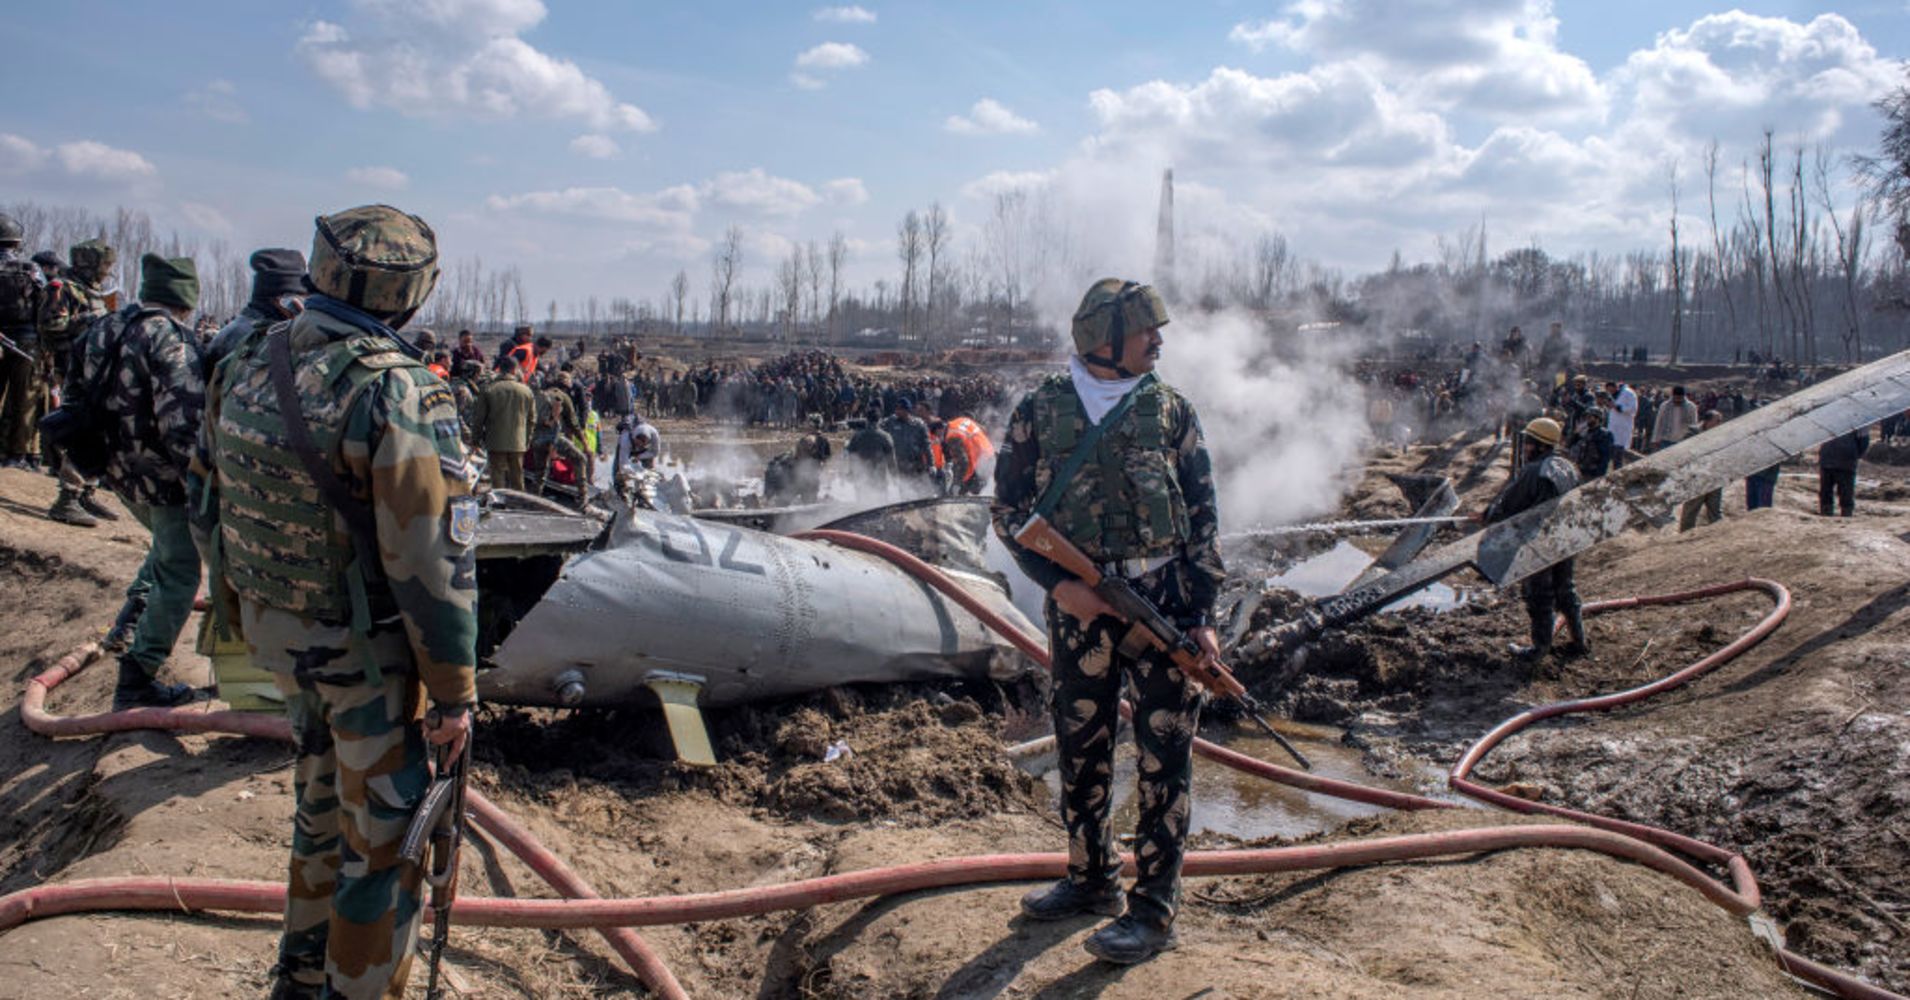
<point>1329,573</point>
<point>1242,805</point>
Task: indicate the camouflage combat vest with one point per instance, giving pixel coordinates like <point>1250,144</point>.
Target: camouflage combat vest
<point>69,311</point>
<point>1126,501</point>
<point>282,545</point>
<point>19,293</point>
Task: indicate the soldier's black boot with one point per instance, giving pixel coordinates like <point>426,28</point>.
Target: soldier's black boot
<point>1065,899</point>
<point>284,987</point>
<point>89,502</point>
<point>1575,629</point>
<point>139,689</point>
<point>1128,940</point>
<point>67,509</point>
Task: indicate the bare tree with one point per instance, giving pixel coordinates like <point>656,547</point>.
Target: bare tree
<point>908,247</point>
<point>1850,254</point>
<point>838,256</point>
<point>789,278</point>
<point>723,268</point>
<point>679,290</point>
<point>1677,267</point>
<point>935,237</point>
<point>812,275</point>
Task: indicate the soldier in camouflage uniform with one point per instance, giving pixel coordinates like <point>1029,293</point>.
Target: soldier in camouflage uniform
<point>22,290</point>
<point>365,610</point>
<point>278,293</point>
<point>1142,505</point>
<point>156,399</point>
<point>81,296</point>
<point>559,431</point>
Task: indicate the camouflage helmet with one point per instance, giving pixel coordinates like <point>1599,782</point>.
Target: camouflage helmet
<point>1111,310</point>
<point>92,258</point>
<point>376,258</point>
<point>10,231</point>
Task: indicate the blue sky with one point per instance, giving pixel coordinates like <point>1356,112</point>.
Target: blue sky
<point>600,146</point>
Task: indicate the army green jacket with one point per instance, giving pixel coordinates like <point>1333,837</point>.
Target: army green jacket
<point>503,415</point>
<point>157,399</point>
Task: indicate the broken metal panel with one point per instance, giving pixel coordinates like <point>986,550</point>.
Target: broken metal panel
<point>1433,496</point>
<point>755,615</point>
<point>950,532</point>
<point>1643,494</point>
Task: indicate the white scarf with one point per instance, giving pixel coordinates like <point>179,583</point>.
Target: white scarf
<point>1098,395</point>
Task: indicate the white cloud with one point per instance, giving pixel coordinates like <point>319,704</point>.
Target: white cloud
<point>846,15</point>
<point>99,161</point>
<point>847,191</point>
<point>219,101</point>
<point>1731,74</point>
<point>757,191</point>
<point>990,117</point>
<point>670,208</point>
<point>20,155</point>
<point>1494,57</point>
<point>596,146</point>
<point>383,178</point>
<point>806,82</point>
<point>832,55</point>
<point>1005,181</point>
<point>439,58</point>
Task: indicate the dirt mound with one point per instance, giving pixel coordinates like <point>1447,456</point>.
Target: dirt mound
<point>914,755</point>
<point>1801,736</point>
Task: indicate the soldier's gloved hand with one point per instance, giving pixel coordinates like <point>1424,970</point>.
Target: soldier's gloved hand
<point>1079,601</point>
<point>449,726</point>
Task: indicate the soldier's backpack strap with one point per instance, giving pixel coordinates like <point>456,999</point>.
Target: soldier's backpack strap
<point>1085,449</point>
<point>359,522</point>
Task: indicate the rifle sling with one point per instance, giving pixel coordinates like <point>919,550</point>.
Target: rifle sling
<point>359,522</point>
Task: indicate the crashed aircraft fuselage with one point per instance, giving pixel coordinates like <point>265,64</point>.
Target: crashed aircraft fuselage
<point>744,615</point>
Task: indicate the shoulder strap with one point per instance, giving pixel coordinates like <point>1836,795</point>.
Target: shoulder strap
<point>358,516</point>
<point>1085,447</point>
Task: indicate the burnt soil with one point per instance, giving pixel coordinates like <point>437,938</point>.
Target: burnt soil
<point>1794,754</point>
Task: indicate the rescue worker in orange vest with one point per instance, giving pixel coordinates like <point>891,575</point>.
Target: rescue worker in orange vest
<point>971,455</point>
<point>938,465</point>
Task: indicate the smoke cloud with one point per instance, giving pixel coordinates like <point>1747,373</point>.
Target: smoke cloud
<point>1284,418</point>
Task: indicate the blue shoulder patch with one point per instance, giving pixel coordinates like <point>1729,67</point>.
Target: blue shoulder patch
<point>463,524</point>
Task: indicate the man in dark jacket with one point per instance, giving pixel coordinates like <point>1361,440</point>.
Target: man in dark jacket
<point>1837,471</point>
<point>1544,474</point>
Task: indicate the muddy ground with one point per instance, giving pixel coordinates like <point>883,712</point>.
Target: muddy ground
<point>1795,754</point>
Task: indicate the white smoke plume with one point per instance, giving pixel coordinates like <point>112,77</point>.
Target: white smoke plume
<point>1285,421</point>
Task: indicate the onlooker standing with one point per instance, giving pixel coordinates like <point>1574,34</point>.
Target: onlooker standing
<point>1760,488</point>
<point>1621,419</point>
<point>502,419</point>
<point>1676,420</point>
<point>1711,503</point>
<point>1593,451</point>
<point>1837,471</point>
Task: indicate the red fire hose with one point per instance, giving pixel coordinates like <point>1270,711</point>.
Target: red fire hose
<point>1628,841</point>
<point>635,952</point>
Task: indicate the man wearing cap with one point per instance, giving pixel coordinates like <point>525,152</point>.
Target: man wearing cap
<point>503,419</point>
<point>347,524</point>
<point>1543,474</point>
<point>156,398</point>
<point>83,293</point>
<point>913,457</point>
<point>1114,460</point>
<point>871,450</point>
<point>22,290</point>
<point>278,293</point>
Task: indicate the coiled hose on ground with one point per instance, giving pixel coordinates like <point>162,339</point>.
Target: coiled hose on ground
<point>1644,845</point>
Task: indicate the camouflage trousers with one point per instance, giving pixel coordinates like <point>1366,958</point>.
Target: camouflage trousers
<point>353,906</point>
<point>1089,669</point>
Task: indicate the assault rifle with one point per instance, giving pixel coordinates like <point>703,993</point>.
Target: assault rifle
<point>7,344</point>
<point>1148,627</point>
<point>438,827</point>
